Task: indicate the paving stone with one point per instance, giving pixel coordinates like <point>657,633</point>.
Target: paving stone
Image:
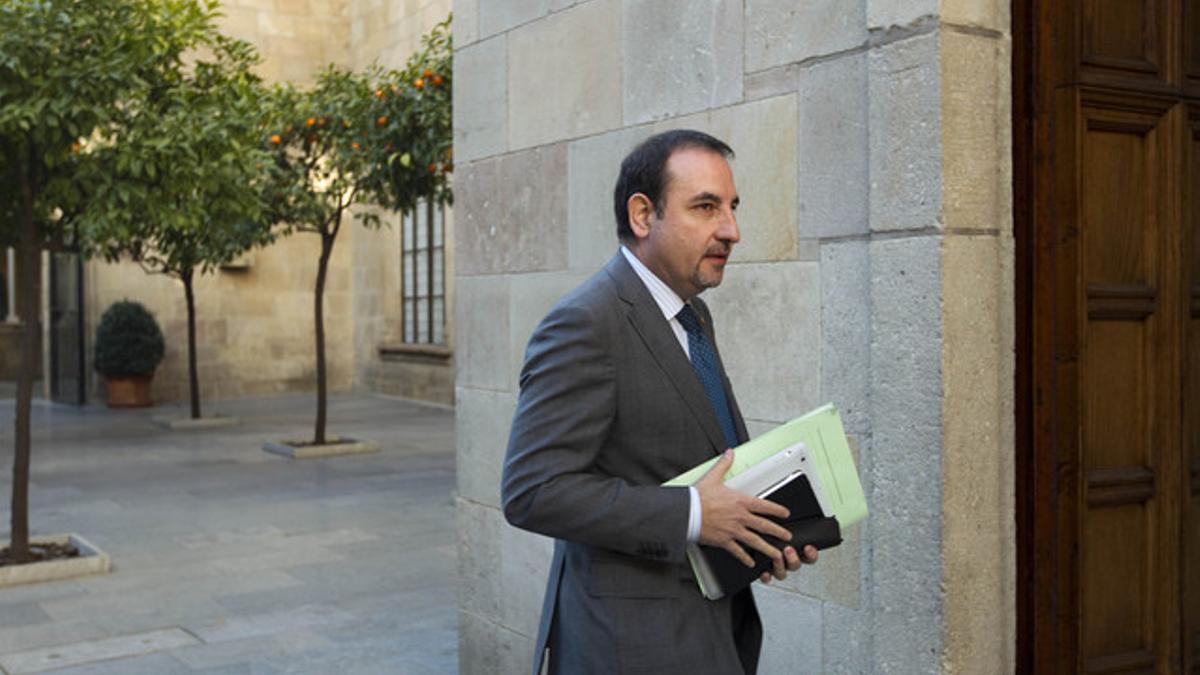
<point>25,614</point>
<point>80,653</point>
<point>178,514</point>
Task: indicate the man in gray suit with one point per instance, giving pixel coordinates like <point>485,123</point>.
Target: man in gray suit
<point>622,389</point>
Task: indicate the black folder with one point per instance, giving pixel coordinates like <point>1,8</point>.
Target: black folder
<point>807,523</point>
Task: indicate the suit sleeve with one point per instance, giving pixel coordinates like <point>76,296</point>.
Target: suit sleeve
<point>564,414</point>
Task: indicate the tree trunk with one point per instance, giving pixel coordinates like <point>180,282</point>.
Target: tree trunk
<point>319,313</point>
<point>193,375</point>
<point>30,276</point>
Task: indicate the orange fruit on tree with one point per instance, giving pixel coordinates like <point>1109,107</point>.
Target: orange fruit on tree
<point>433,167</point>
<point>354,145</point>
<point>310,122</point>
<point>438,80</point>
<point>382,120</point>
<point>378,93</point>
<point>428,73</point>
<point>275,139</point>
<point>418,83</point>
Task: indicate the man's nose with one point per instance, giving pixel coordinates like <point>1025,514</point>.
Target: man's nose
<point>728,230</point>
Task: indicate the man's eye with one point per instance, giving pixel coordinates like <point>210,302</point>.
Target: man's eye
<point>707,207</point>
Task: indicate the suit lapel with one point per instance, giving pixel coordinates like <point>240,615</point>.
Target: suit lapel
<point>647,320</point>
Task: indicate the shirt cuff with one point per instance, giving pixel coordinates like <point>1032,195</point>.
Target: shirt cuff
<point>693,532</point>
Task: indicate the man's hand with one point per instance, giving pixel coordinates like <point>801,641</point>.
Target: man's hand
<point>730,519</point>
<point>792,563</point>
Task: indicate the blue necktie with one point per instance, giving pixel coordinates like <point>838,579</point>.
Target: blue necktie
<point>704,362</point>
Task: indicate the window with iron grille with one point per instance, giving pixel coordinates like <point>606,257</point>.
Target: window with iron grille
<point>423,257</point>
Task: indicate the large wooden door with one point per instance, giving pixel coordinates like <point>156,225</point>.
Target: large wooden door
<point>1107,155</point>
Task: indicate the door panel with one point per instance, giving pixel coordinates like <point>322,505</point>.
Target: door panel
<point>1124,583</point>
<point>1191,396</point>
<point>1124,36</point>
<point>1109,163</point>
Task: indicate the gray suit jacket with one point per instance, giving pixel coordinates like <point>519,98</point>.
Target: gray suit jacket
<point>609,409</point>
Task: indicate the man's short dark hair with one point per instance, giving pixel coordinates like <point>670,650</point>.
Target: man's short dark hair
<point>644,170</point>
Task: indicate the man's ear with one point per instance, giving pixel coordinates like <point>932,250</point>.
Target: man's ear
<point>641,212</point>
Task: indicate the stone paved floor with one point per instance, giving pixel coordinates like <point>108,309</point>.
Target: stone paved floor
<point>231,560</point>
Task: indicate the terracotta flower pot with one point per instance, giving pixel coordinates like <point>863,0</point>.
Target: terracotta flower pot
<point>131,391</point>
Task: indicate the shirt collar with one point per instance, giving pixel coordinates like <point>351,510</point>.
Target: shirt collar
<point>667,300</point>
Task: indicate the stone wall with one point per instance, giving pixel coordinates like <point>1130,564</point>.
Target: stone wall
<point>874,271</point>
<point>255,325</point>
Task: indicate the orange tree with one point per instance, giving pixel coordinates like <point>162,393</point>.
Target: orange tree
<point>374,138</point>
<point>69,71</point>
<point>190,165</point>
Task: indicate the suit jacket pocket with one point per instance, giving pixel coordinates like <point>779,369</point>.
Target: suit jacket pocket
<point>630,577</point>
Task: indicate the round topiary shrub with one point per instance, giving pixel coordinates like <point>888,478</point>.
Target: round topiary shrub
<point>128,341</point>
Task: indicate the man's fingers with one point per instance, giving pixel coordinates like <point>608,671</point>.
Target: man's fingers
<point>810,554</point>
<point>718,470</point>
<point>751,539</point>
<point>739,553</point>
<point>770,527</point>
<point>766,507</point>
<point>790,557</point>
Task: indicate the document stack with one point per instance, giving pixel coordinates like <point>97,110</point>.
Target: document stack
<point>805,465</point>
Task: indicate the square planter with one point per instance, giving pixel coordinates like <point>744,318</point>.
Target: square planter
<point>302,450</point>
<point>91,560</point>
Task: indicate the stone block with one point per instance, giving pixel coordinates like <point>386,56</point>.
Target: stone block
<point>479,571</point>
<point>905,467</point>
<point>834,187</point>
<point>486,648</point>
<point>497,16</point>
<point>792,637</point>
<point>976,131</point>
<point>905,138</point>
<point>480,100</point>
<point>845,640</point>
<point>779,33</point>
<point>979,536</point>
<point>846,331</point>
<point>776,81</point>
<point>512,213</point>
<point>763,136</point>
<point>884,14</point>
<point>481,316</point>
<point>525,564</point>
<point>767,320</point>
<point>532,296</point>
<point>989,14</point>
<point>593,164</point>
<point>680,57</point>
<point>481,423</point>
<point>564,75</point>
